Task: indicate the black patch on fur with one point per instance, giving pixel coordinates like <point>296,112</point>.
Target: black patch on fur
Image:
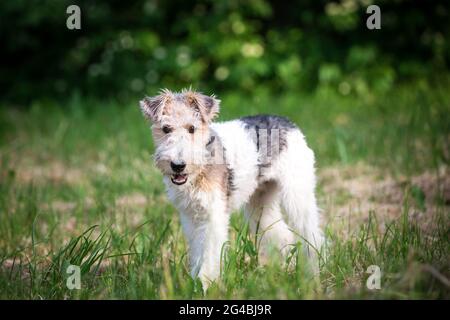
<point>266,121</point>
<point>214,143</point>
<point>262,124</point>
<point>269,123</point>
<point>210,141</point>
<point>231,187</point>
<point>230,182</point>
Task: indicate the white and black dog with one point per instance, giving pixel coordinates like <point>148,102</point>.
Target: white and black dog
<point>211,169</point>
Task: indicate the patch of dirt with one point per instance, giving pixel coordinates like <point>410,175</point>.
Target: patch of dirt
<point>132,200</point>
<point>55,172</point>
<point>350,193</point>
<point>62,206</point>
<point>16,267</point>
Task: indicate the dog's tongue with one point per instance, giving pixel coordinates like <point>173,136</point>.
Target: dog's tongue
<point>179,178</point>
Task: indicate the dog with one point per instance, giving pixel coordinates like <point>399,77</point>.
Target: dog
<point>261,163</point>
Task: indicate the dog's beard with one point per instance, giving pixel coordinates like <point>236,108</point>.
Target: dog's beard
<point>195,165</point>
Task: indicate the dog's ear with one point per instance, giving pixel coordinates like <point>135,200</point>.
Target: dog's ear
<point>207,106</point>
<point>152,107</point>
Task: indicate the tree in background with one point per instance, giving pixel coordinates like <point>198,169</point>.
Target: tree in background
<point>127,48</point>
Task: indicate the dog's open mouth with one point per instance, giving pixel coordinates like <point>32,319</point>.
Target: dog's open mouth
<point>179,178</point>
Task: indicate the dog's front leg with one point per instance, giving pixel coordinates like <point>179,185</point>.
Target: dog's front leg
<point>206,234</point>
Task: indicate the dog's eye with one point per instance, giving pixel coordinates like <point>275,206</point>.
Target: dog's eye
<point>166,129</point>
<point>191,129</point>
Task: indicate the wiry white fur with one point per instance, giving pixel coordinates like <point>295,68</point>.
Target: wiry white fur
<point>242,157</point>
<point>288,184</point>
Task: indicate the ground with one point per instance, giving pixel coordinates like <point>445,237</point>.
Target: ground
<point>77,186</point>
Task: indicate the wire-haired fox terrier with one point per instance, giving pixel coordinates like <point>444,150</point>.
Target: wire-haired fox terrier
<point>211,169</point>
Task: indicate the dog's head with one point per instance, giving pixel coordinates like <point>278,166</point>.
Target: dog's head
<point>180,126</point>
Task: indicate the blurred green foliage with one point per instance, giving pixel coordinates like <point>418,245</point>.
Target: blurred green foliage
<point>127,48</point>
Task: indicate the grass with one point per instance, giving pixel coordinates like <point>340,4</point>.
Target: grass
<point>77,187</point>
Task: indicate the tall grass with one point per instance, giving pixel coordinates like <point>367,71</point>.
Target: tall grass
<point>153,265</point>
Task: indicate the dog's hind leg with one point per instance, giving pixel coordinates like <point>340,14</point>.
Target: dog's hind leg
<point>263,213</point>
<point>297,189</point>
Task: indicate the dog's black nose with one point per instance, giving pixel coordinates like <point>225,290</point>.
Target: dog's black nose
<point>178,166</point>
